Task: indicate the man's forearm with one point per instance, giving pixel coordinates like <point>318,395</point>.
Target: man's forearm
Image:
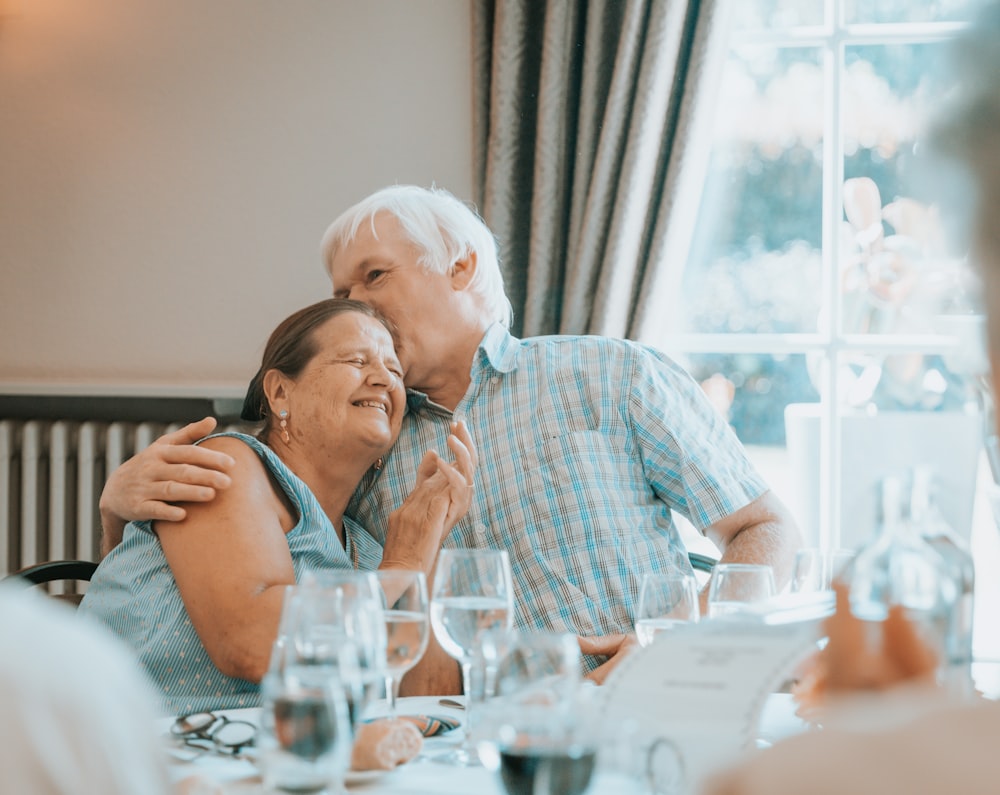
<point>773,543</point>
<point>763,531</point>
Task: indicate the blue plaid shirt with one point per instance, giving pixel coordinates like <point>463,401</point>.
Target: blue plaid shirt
<point>586,446</point>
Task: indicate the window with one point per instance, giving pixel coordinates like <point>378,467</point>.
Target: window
<point>827,305</point>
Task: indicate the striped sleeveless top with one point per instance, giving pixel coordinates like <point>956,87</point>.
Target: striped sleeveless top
<point>133,591</point>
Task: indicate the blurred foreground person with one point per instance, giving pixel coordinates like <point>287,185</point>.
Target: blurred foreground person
<point>951,746</point>
<point>77,715</point>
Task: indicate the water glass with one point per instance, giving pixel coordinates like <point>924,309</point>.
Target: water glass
<point>815,569</point>
<point>471,611</point>
<point>736,587</point>
<point>665,601</point>
<point>406,621</point>
<point>335,621</point>
<point>533,733</point>
<point>305,735</point>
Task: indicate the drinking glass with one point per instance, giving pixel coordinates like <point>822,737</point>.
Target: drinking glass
<point>665,600</point>
<point>534,734</point>
<point>305,735</point>
<point>337,623</point>
<point>815,569</point>
<point>406,622</point>
<point>472,603</point>
<point>735,587</point>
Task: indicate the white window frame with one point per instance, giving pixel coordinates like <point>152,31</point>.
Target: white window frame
<point>832,39</point>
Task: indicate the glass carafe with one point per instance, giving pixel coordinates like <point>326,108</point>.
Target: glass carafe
<point>935,530</point>
<point>898,567</point>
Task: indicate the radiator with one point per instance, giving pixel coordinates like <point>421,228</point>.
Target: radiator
<point>51,477</point>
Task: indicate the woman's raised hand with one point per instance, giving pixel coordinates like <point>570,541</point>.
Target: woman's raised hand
<point>441,496</point>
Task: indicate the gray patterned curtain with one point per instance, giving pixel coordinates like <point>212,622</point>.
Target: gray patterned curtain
<point>587,163</point>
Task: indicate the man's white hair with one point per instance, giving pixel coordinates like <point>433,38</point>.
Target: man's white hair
<point>444,230</point>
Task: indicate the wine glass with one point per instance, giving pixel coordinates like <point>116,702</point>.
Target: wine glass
<point>406,623</point>
<point>337,622</point>
<point>534,734</point>
<point>736,587</point>
<point>665,600</point>
<point>305,734</point>
<point>472,602</point>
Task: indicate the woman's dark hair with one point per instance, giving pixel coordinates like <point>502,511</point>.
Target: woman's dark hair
<point>292,345</point>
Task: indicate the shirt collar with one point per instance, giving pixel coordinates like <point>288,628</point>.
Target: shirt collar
<point>498,349</point>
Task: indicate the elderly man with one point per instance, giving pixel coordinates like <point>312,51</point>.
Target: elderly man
<point>587,444</point>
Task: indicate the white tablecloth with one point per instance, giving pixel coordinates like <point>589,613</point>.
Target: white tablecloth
<point>423,776</point>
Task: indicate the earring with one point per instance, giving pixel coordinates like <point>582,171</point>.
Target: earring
<point>284,425</point>
<point>379,463</point>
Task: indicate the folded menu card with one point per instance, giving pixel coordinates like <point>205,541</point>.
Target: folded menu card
<point>700,689</point>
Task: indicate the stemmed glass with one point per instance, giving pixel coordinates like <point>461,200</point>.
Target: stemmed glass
<point>406,622</point>
<point>535,734</point>
<point>336,622</point>
<point>472,603</point>
<point>665,600</point>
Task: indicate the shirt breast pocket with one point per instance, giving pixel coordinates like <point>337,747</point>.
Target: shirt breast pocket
<point>585,484</point>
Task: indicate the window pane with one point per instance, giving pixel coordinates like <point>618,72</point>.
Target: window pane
<point>752,390</point>
<point>774,14</point>
<point>870,11</point>
<point>913,381</point>
<point>754,265</point>
<point>897,272</point>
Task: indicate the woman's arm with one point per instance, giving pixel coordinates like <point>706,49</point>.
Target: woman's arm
<point>231,561</point>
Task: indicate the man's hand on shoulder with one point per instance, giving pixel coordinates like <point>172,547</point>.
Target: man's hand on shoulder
<point>169,471</point>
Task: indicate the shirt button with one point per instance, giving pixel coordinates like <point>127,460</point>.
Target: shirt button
<point>480,529</point>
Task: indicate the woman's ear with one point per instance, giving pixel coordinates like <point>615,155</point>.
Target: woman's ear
<point>463,271</point>
<point>276,391</point>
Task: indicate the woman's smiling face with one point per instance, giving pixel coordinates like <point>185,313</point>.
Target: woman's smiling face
<point>352,388</point>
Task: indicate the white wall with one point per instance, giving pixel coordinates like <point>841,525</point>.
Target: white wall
<point>167,168</point>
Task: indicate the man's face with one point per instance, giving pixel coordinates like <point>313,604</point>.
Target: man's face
<point>383,272</point>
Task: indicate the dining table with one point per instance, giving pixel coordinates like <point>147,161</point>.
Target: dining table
<point>226,775</point>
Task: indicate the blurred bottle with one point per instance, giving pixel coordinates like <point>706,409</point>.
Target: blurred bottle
<point>899,567</point>
<point>935,530</point>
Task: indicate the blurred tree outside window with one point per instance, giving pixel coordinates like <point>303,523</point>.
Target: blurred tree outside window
<point>824,269</point>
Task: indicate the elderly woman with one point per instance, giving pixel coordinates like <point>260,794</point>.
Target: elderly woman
<point>201,603</point>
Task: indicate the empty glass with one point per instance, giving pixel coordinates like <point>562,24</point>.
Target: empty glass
<point>736,587</point>
<point>815,569</point>
<point>665,600</point>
